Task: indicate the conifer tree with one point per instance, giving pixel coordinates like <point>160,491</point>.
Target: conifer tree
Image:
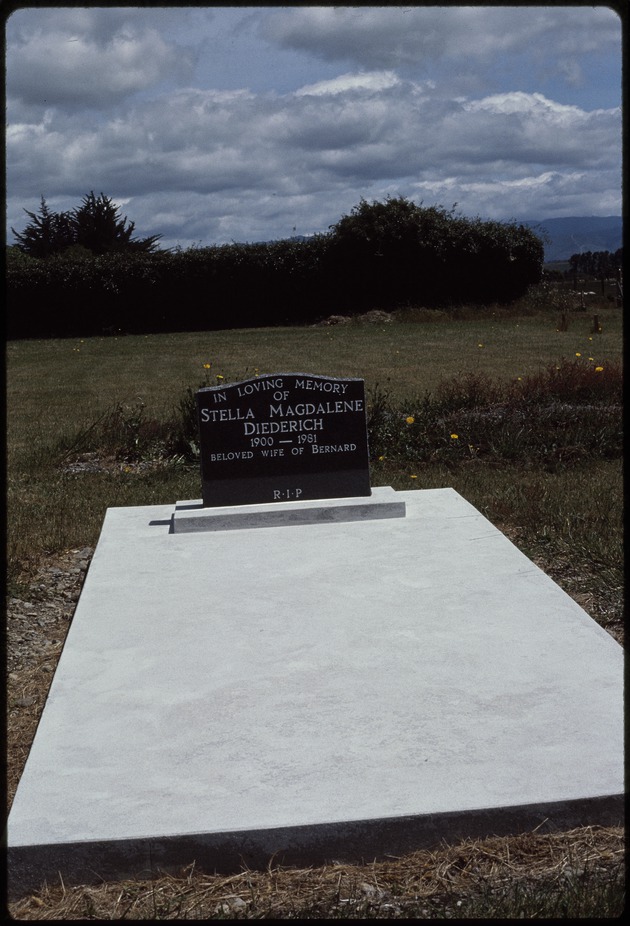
<point>47,233</point>
<point>95,225</point>
<point>99,227</point>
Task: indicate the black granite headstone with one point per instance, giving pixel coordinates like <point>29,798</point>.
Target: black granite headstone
<point>283,437</point>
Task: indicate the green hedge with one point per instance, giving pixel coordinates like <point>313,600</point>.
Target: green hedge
<point>381,256</point>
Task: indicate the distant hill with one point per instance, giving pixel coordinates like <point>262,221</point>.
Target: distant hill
<point>576,234</point>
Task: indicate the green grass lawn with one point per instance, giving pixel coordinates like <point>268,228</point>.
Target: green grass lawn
<point>53,384</point>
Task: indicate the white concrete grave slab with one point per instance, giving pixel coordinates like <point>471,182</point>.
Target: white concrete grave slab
<point>328,690</point>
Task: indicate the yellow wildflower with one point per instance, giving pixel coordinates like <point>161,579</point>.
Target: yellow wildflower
<point>454,436</point>
<point>578,354</point>
<point>413,477</point>
<point>207,366</point>
<point>410,419</point>
<point>599,369</point>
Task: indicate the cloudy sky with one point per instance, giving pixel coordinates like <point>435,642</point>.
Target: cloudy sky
<point>216,124</point>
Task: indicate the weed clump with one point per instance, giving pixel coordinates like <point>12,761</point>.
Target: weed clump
<point>569,412</point>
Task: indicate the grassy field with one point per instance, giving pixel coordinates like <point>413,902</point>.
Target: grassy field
<point>80,378</point>
<point>564,510</point>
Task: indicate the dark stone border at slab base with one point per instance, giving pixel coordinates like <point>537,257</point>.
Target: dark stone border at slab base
<point>349,842</point>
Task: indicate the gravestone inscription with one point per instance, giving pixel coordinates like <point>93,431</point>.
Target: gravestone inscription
<point>283,437</point>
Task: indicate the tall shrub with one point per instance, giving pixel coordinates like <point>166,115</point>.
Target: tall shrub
<point>395,252</point>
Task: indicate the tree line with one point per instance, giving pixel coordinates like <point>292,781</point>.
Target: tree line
<point>84,272</point>
<point>600,265</point>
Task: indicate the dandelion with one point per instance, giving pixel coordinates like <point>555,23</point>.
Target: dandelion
<point>219,376</point>
<point>578,354</point>
<point>454,436</point>
<point>410,419</point>
<point>413,477</point>
<point>207,366</point>
<point>599,369</point>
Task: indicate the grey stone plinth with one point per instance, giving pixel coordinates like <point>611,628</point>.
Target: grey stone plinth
<point>192,516</point>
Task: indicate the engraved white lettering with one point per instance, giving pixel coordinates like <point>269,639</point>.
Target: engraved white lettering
<point>309,408</point>
<point>231,455</point>
<point>332,448</point>
<point>320,385</point>
<point>279,494</point>
<point>225,414</point>
<point>283,427</point>
<point>261,385</point>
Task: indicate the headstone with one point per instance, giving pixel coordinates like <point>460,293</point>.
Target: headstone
<point>283,437</point>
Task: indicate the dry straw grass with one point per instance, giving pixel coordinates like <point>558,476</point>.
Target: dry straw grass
<point>423,884</point>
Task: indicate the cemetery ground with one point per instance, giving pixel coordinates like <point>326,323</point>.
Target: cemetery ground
<point>520,418</point>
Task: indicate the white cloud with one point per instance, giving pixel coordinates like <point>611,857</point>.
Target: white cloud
<point>404,112</point>
<point>247,145</point>
<point>377,80</point>
<point>72,63</point>
<point>377,37</point>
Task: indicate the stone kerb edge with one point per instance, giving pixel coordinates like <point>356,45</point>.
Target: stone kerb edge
<point>352,842</point>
